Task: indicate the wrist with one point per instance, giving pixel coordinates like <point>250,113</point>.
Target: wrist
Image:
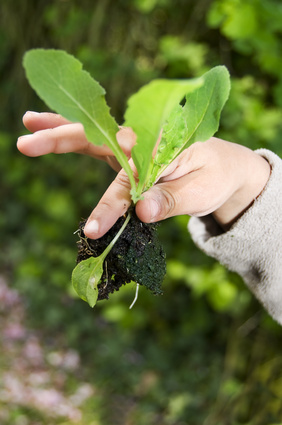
<point>254,177</point>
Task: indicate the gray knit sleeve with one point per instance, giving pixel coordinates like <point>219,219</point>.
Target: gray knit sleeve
<point>253,245</point>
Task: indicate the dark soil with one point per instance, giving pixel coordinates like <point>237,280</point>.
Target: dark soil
<point>137,256</point>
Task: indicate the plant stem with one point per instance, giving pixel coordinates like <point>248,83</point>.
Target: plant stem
<point>123,161</point>
<point>110,246</point>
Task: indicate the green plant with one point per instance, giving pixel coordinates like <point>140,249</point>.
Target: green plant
<point>58,78</point>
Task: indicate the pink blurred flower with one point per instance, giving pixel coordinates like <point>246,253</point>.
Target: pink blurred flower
<point>14,331</point>
<point>33,351</point>
<point>8,297</point>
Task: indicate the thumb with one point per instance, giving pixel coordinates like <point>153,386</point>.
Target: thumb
<point>193,194</point>
<point>160,202</point>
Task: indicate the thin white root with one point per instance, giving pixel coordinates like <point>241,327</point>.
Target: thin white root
<point>136,296</point>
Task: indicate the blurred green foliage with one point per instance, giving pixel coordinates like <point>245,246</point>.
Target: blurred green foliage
<point>205,352</point>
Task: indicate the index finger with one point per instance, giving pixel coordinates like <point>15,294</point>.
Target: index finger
<point>35,121</point>
<point>62,139</point>
<point>114,203</point>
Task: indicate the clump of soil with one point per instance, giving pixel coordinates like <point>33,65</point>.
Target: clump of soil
<point>137,256</point>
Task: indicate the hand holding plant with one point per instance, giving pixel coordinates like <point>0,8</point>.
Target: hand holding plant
<point>155,109</point>
<point>214,177</point>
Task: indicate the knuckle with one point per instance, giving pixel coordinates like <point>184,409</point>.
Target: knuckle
<point>201,149</point>
<point>197,145</point>
<point>53,138</point>
<point>105,204</point>
<point>196,148</point>
<point>168,203</point>
<point>122,180</point>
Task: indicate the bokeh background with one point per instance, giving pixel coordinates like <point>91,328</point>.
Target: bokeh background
<point>204,353</point>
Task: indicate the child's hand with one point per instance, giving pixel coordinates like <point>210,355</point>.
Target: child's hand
<point>55,134</point>
<point>215,177</point>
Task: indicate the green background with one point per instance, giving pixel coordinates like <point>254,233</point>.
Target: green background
<point>204,353</point>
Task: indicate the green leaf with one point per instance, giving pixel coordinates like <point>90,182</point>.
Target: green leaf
<point>85,278</point>
<point>198,120</point>
<point>175,132</point>
<point>203,107</point>
<point>87,274</point>
<point>146,114</point>
<point>60,81</point>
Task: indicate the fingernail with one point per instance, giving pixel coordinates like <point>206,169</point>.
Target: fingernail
<point>92,227</point>
<point>26,137</point>
<point>32,112</point>
<point>154,209</point>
